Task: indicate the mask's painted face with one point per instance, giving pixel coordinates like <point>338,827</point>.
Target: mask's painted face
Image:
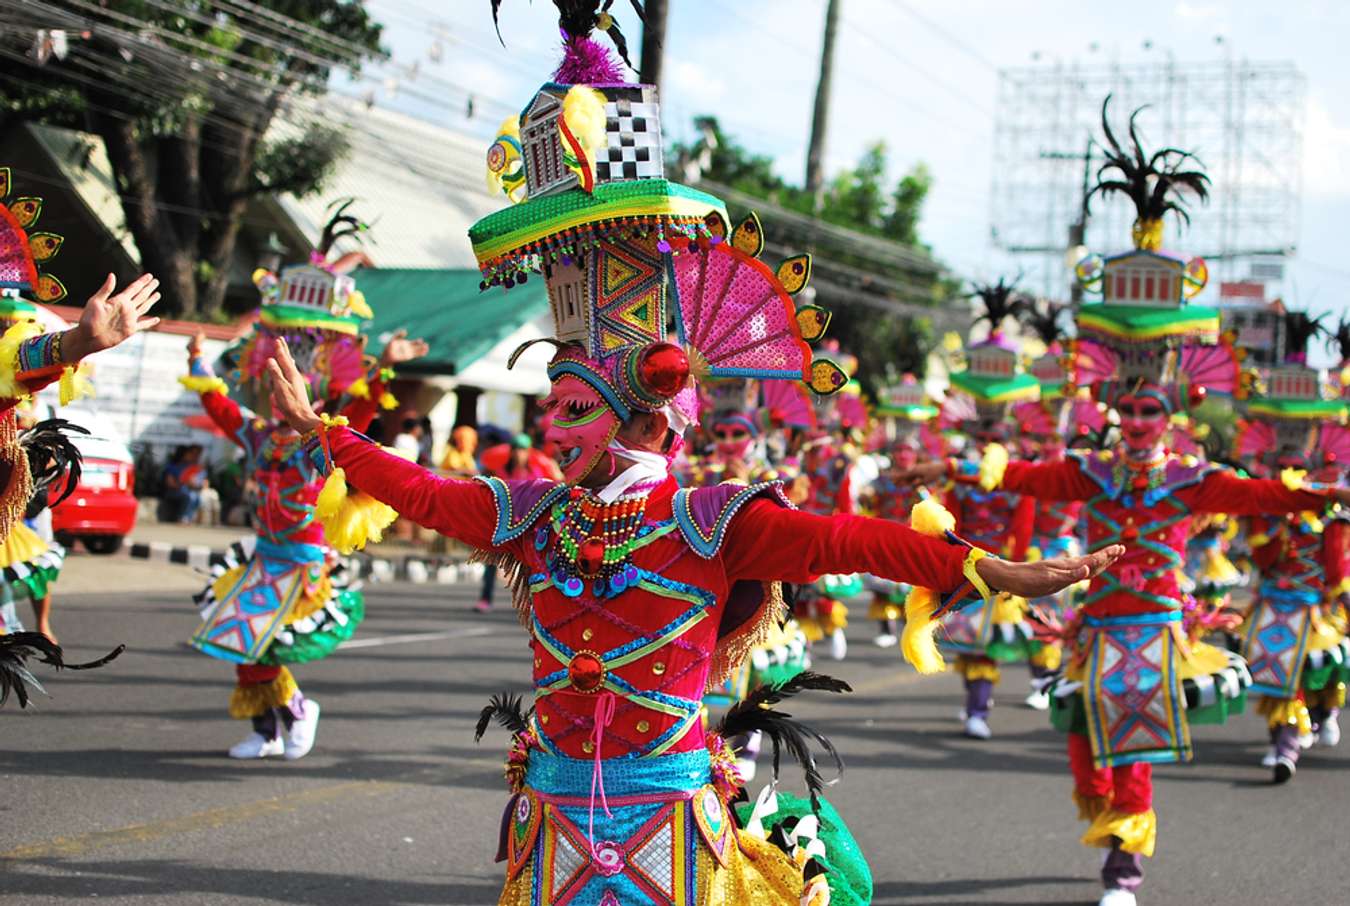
<point>731,440</point>
<point>905,458</point>
<point>581,426</point>
<point>1143,421</point>
<point>1052,449</point>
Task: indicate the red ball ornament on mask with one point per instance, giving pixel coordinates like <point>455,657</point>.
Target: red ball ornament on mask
<point>1195,395</point>
<point>663,369</point>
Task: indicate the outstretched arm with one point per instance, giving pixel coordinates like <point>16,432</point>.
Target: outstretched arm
<point>1224,492</point>
<point>768,542</point>
<point>222,410</point>
<point>1047,480</point>
<point>464,510</point>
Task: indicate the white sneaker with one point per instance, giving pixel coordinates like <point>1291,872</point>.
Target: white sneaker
<point>1268,760</point>
<point>1117,897</point>
<point>257,746</point>
<point>1306,741</point>
<point>838,645</point>
<point>978,728</point>
<point>1038,701</point>
<point>1329,734</point>
<point>303,731</point>
<point>885,641</point>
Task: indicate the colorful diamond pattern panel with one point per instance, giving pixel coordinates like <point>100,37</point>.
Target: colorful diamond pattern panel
<point>249,614</point>
<point>627,294</point>
<point>1135,708</point>
<point>1275,647</point>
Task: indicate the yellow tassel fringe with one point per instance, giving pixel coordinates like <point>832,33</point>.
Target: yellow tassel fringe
<point>204,384</point>
<point>257,698</point>
<point>359,388</point>
<point>350,520</point>
<point>992,466</point>
<point>1280,712</point>
<point>929,517</point>
<point>75,384</point>
<point>1137,833</point>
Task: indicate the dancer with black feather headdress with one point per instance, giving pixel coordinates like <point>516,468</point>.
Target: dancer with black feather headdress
<point>285,597</point>
<point>636,593</point>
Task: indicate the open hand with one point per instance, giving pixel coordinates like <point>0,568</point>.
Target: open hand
<point>1045,577</point>
<point>290,391</point>
<point>400,349</point>
<point>108,320</point>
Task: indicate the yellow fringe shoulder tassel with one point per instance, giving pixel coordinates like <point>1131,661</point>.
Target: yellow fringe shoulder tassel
<point>75,384</point>
<point>993,464</point>
<point>929,517</point>
<point>350,520</point>
<point>203,384</point>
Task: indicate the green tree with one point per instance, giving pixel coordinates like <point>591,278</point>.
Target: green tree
<point>901,222</point>
<point>183,96</point>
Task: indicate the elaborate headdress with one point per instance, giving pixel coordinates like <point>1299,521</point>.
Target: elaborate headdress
<point>318,310</point>
<point>1294,417</point>
<point>993,379</point>
<point>620,245</point>
<point>1062,411</point>
<point>1145,332</point>
<point>24,255</point>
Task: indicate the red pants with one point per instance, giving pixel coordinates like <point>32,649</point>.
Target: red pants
<point>252,674</point>
<point>1128,787</point>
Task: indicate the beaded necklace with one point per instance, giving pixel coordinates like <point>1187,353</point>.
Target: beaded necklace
<point>595,543</point>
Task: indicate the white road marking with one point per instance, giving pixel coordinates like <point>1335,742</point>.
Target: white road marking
<point>471,632</point>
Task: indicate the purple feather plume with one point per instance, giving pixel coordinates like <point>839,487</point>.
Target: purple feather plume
<point>587,62</point>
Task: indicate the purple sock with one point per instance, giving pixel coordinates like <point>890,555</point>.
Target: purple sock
<point>1122,870</point>
<point>979,695</point>
<point>1286,742</point>
<point>265,725</point>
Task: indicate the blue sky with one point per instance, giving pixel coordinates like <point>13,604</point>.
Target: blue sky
<point>927,88</point>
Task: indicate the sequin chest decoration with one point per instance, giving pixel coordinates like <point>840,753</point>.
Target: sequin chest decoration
<point>594,543</point>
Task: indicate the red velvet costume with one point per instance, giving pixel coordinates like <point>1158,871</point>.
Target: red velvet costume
<point>1149,511</point>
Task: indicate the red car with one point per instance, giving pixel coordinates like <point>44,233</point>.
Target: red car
<point>102,511</point>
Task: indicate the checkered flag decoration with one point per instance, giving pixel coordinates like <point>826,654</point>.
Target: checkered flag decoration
<point>633,133</point>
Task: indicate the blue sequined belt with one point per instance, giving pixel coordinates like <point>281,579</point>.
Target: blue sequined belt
<point>663,777</point>
<point>1134,619</point>
<point>289,552</point>
<point>1289,597</point>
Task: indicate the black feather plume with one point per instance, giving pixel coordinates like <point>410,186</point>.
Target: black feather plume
<point>1043,321</point>
<point>339,225</point>
<point>1154,183</point>
<point>52,454</point>
<point>578,18</point>
<point>1001,300</point>
<point>785,732</point>
<point>18,647</point>
<point>506,708</point>
<point>1339,341</point>
<point>1300,329</point>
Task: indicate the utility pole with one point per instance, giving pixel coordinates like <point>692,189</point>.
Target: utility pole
<point>820,117</point>
<point>653,43</point>
<point>1077,229</point>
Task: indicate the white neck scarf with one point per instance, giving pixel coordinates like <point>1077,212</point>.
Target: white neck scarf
<point>646,468</point>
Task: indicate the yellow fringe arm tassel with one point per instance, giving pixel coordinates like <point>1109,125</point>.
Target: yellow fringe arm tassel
<point>351,519</point>
<point>917,645</point>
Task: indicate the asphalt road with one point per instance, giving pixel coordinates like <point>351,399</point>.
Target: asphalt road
<point>117,787</point>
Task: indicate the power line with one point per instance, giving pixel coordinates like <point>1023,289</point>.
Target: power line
<point>947,36</point>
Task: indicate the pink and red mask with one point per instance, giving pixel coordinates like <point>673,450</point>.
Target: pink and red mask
<point>1144,417</point>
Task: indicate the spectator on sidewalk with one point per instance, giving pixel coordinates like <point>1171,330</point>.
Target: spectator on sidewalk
<point>408,440</point>
<point>184,480</point>
<point>461,460</point>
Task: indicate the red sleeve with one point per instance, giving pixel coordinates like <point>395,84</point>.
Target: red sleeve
<point>1050,480</point>
<point>843,503</point>
<point>952,502</point>
<point>224,412</point>
<point>767,542</point>
<point>1224,492</point>
<point>1024,522</point>
<point>1333,553</point>
<point>460,509</point>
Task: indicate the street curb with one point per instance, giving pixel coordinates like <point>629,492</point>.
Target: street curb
<point>417,570</point>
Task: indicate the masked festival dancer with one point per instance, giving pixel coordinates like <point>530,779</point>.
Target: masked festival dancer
<point>637,593</point>
<point>1295,646</point>
<point>995,520</point>
<point>906,412</point>
<point>1132,674</point>
<point>31,461</point>
<point>285,597</point>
